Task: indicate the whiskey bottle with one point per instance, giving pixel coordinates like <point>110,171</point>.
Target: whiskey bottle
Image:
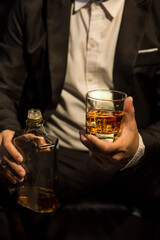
<point>39,150</point>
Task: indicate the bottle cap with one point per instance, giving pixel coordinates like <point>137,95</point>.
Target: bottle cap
<point>34,115</point>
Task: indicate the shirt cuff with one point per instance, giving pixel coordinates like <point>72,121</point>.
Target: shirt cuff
<point>139,154</point>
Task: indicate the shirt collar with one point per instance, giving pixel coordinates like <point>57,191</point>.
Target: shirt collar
<point>78,4</point>
<point>112,6</point>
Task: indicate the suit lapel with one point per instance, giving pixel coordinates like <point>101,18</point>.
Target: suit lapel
<point>130,35</point>
<point>58,19</point>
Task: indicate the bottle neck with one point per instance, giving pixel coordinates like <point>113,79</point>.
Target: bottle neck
<point>34,123</point>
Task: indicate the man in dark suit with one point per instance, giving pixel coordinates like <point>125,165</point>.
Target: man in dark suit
<point>36,69</point>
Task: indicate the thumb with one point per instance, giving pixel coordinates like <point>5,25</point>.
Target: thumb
<point>129,111</point>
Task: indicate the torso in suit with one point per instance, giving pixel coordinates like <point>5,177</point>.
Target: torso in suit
<point>36,44</point>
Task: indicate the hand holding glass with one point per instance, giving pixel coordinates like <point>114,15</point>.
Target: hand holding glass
<point>104,113</point>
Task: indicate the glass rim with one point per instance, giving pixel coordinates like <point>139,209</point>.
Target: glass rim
<point>123,94</point>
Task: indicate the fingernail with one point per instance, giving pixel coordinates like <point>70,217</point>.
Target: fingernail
<point>21,180</point>
<point>20,159</point>
<point>21,174</point>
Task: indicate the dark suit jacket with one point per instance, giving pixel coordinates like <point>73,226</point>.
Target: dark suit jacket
<point>33,57</point>
<point>5,6</point>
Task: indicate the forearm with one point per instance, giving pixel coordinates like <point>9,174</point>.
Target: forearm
<point>151,138</point>
<point>8,114</point>
<point>149,147</point>
<point>13,72</point>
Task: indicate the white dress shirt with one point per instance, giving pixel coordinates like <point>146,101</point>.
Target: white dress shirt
<point>94,31</point>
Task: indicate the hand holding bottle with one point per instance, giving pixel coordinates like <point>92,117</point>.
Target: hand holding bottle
<point>10,158</point>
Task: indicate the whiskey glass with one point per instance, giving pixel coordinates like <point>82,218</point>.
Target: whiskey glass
<point>105,113</point>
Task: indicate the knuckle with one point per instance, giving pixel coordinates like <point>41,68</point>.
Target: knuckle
<point>117,158</point>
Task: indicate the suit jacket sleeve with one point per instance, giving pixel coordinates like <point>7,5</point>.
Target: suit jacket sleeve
<point>13,70</point>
